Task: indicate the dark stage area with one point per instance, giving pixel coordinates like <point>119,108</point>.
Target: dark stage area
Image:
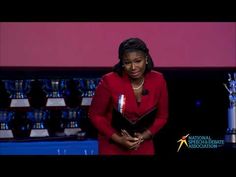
<point>198,103</point>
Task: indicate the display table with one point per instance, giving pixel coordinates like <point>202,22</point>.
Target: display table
<point>68,147</point>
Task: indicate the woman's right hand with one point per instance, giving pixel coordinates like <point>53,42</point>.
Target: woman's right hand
<point>129,142</point>
<point>126,140</point>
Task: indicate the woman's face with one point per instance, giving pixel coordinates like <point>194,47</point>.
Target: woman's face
<point>134,64</point>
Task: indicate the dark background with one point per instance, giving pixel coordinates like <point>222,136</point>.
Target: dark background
<point>198,104</point>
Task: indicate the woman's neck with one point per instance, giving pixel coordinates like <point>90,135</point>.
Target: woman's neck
<point>137,81</point>
<point>138,84</point>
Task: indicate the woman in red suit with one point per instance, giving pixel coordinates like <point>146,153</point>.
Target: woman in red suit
<point>133,91</point>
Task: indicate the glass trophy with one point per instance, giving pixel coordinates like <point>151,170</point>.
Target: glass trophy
<point>71,119</point>
<point>5,121</point>
<point>55,92</point>
<point>38,120</point>
<point>87,87</point>
<point>18,90</point>
<point>230,136</point>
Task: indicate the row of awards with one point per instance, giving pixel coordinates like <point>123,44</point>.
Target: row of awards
<point>35,123</point>
<point>49,92</point>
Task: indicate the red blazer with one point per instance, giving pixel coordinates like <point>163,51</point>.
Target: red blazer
<point>106,98</point>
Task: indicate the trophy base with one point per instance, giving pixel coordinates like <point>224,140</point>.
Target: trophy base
<point>230,138</point>
<point>22,102</point>
<point>6,134</point>
<point>56,102</point>
<point>71,131</point>
<point>86,101</point>
<point>39,133</point>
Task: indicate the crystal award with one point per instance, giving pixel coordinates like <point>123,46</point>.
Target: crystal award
<point>87,87</point>
<point>71,119</point>
<point>5,124</point>
<point>55,92</point>
<point>38,120</point>
<point>18,90</point>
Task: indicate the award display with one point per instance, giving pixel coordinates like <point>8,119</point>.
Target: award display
<point>71,119</point>
<point>230,136</point>
<point>87,87</point>
<point>54,89</point>
<point>18,90</point>
<point>5,120</point>
<point>38,120</point>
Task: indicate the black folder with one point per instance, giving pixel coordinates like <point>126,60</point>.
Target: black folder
<point>120,122</point>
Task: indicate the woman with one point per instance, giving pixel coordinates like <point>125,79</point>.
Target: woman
<point>130,104</point>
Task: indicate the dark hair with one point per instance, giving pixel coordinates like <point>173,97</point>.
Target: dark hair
<point>129,45</point>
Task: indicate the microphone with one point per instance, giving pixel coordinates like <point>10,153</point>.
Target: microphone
<point>145,92</point>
